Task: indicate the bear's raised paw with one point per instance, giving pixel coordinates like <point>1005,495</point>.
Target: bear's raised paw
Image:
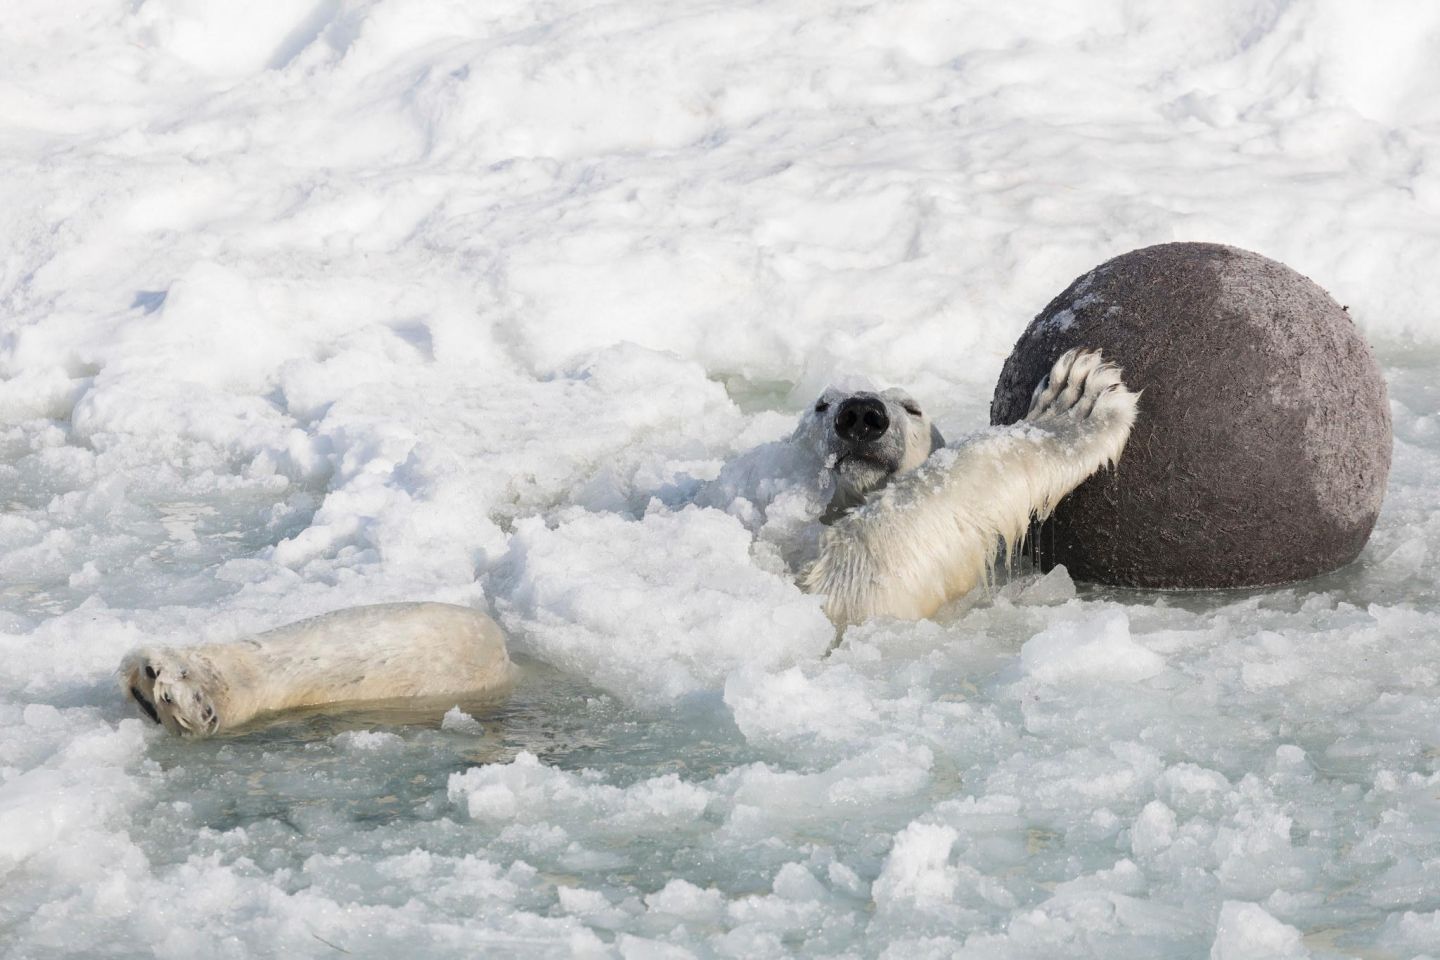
<point>1080,385</point>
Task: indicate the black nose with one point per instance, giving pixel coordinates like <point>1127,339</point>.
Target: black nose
<point>861,419</point>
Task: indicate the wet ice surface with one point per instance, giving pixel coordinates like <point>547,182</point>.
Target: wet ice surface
<point>391,300</point>
<point>1116,773</point>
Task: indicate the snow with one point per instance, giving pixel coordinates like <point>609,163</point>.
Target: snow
<point>509,304</point>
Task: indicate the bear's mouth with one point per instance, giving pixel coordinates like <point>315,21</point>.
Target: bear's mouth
<point>145,705</point>
<point>865,459</point>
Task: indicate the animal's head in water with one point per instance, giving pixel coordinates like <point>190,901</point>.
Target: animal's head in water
<point>864,438</point>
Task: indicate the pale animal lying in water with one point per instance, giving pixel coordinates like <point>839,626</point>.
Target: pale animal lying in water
<point>360,654</point>
<point>909,527</point>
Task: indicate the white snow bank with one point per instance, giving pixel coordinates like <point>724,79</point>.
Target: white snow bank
<point>653,609</point>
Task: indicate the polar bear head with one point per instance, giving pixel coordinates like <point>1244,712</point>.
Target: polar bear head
<point>863,438</point>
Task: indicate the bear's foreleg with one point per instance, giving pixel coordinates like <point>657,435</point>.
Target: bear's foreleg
<point>932,534</point>
<point>383,652</point>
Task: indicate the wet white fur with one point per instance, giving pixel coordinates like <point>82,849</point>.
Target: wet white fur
<point>932,534</point>
<point>914,441</point>
<point>358,654</point>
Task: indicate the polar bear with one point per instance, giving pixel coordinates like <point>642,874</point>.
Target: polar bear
<point>381,652</point>
<point>908,528</point>
<point>909,524</point>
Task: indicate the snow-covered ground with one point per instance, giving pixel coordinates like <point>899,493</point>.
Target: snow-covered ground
<point>310,303</point>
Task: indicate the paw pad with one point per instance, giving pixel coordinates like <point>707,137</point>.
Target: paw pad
<point>169,694</point>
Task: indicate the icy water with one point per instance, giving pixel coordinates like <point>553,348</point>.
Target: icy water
<point>1098,771</point>
<point>304,306</point>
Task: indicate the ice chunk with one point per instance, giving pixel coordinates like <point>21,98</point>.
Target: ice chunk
<point>527,791</point>
<point>367,740</point>
<point>1154,829</point>
<point>1054,586</point>
<point>1095,649</point>
<point>918,869</point>
<point>1246,932</point>
<point>683,899</point>
<point>458,721</point>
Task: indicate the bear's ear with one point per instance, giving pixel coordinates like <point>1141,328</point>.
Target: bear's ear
<point>936,440</point>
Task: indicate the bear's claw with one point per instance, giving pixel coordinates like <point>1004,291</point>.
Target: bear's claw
<point>1076,386</point>
<point>168,692</point>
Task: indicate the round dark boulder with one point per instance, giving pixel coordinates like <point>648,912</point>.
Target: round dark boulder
<point>1263,442</point>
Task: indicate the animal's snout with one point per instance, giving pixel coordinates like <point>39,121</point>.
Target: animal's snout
<point>861,420</point>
